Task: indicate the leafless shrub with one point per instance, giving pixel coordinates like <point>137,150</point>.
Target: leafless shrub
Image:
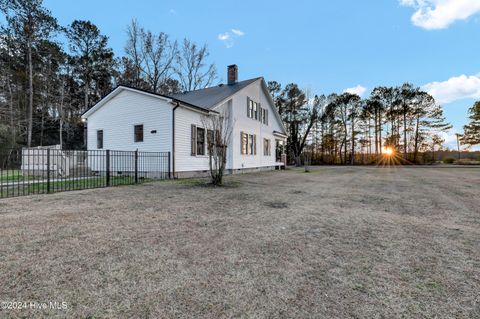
<point>218,135</point>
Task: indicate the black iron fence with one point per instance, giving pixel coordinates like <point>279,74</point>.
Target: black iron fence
<point>49,170</point>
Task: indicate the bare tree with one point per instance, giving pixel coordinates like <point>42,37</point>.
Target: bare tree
<point>219,131</point>
<point>133,50</point>
<point>158,55</point>
<point>191,67</point>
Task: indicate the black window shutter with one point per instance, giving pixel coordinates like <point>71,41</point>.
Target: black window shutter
<point>241,143</point>
<point>194,140</point>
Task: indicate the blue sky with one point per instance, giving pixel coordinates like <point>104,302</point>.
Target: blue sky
<point>325,46</point>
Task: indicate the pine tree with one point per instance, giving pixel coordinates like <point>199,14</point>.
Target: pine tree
<point>471,135</point>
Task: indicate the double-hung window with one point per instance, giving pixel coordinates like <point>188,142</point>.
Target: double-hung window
<point>255,111</point>
<point>250,106</point>
<point>248,144</point>
<point>200,141</point>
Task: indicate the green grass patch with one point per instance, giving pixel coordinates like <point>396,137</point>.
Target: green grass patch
<point>13,176</point>
<point>66,185</point>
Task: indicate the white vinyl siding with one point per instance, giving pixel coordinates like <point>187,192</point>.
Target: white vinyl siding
<point>262,129</point>
<point>118,117</point>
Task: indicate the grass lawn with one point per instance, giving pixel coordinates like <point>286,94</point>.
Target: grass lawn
<point>41,187</point>
<point>339,242</point>
<point>12,175</point>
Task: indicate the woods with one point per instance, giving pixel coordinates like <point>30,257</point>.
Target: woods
<point>51,74</point>
<point>346,129</point>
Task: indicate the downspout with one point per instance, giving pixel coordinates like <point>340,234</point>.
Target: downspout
<point>173,139</point>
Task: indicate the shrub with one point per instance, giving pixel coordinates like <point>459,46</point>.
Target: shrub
<point>448,160</point>
<point>467,161</point>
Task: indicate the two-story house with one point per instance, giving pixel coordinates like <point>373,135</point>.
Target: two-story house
<point>132,119</point>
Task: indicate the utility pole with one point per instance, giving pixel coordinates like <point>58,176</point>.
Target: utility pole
<point>458,144</point>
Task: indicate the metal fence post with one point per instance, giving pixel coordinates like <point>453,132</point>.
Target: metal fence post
<point>48,170</point>
<point>107,168</point>
<point>136,167</point>
<point>169,172</point>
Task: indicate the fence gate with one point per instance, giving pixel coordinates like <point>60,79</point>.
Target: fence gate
<point>49,169</point>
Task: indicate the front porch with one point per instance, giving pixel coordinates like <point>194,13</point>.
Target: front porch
<point>280,146</point>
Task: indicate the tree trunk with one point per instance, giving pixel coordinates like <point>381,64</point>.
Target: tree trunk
<point>12,117</point>
<point>415,151</point>
<point>298,160</point>
<point>405,133</point>
<point>42,127</point>
<point>353,142</point>
<point>60,115</point>
<point>86,96</point>
<point>30,95</point>
<point>380,133</point>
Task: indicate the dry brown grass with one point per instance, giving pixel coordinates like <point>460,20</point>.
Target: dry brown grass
<point>336,242</point>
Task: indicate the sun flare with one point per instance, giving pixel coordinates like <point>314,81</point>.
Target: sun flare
<point>388,151</point>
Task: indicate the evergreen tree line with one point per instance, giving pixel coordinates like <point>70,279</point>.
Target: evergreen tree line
<point>51,74</point>
<point>396,124</point>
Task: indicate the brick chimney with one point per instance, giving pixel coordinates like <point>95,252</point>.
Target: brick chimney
<point>232,74</point>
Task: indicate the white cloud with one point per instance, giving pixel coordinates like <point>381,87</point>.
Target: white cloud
<point>439,14</point>
<point>238,32</point>
<point>456,88</point>
<point>229,38</point>
<point>358,90</point>
<point>450,138</point>
<point>226,38</point>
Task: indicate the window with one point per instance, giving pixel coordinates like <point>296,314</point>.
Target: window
<point>138,133</point>
<point>265,116</point>
<point>99,139</point>
<point>267,147</point>
<point>243,143</point>
<point>249,108</point>
<point>200,141</point>
<point>248,144</point>
<point>255,111</point>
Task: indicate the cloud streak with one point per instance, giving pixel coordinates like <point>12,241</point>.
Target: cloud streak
<point>229,37</point>
<point>440,14</point>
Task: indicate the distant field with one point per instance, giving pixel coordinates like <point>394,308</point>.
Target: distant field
<point>338,242</point>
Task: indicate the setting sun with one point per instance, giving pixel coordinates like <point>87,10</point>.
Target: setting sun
<point>388,151</point>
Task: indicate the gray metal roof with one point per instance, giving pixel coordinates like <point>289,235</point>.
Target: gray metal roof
<point>210,97</point>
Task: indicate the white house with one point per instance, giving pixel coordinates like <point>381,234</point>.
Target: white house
<point>131,119</point>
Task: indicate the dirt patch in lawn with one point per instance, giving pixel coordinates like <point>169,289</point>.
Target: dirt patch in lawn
<point>337,242</point>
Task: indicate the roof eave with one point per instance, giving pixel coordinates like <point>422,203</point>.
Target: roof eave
<point>115,92</point>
